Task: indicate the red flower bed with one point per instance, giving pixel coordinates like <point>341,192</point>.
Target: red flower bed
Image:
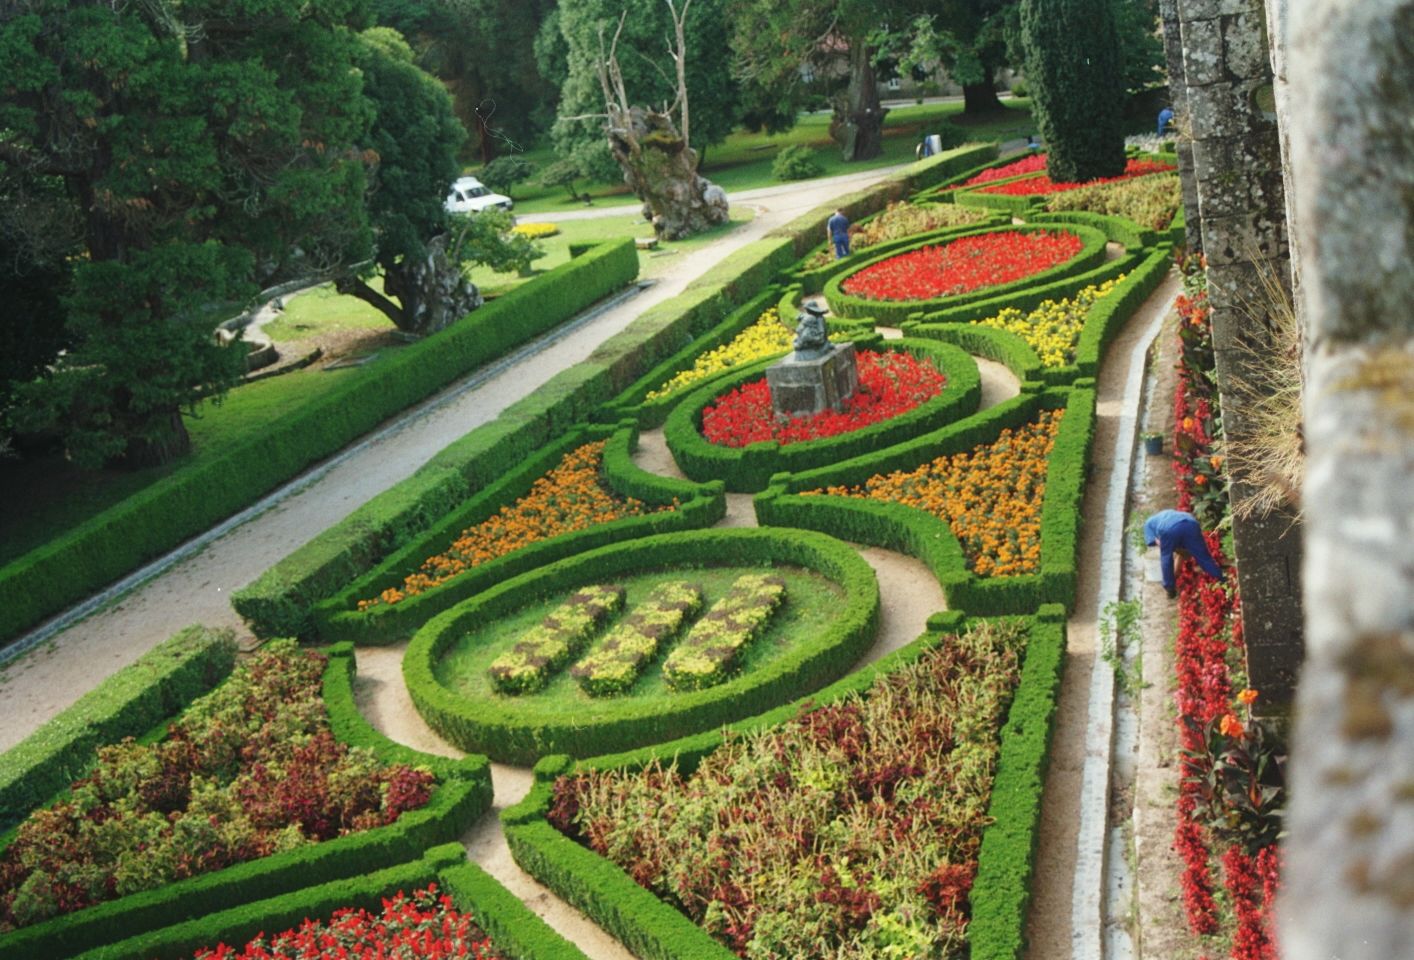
<point>421,927</point>
<point>1036,186</point>
<point>1031,164</point>
<point>964,265</point>
<point>889,384</point>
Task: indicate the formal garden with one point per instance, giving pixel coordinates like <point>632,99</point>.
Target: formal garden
<point>714,775</point>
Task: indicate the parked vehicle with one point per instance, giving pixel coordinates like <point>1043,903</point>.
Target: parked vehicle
<point>470,195</point>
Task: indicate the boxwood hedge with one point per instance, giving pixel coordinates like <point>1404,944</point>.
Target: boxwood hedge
<point>653,928</point>
<point>516,731</point>
<point>895,312</point>
<point>749,468</point>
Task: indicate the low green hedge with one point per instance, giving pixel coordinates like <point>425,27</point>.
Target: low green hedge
<point>517,732</point>
<point>338,617</point>
<point>991,343</point>
<point>162,515</point>
<point>517,932</point>
<point>1120,230</point>
<point>462,795</point>
<point>278,603</point>
<point>650,927</point>
<point>1013,206</point>
<point>895,312</point>
<point>750,468</point>
<point>651,413</point>
<point>128,704</point>
<point>908,530</point>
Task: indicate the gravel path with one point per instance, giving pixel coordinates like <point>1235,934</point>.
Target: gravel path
<point>196,588</point>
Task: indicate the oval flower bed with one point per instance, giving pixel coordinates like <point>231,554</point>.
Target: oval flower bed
<point>899,221</point>
<point>1034,163</point>
<point>850,830</point>
<point>989,497</point>
<point>889,384</point>
<point>1043,184</point>
<point>963,265</point>
<point>423,926</point>
<point>572,496</point>
<point>249,770</point>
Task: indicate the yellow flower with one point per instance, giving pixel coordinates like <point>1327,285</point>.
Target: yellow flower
<point>764,338</point>
<point>535,231</point>
<point>1053,328</point>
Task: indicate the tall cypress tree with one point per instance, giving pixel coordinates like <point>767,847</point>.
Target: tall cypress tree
<point>1073,69</point>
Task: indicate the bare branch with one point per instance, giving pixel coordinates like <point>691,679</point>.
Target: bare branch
<point>680,58</point>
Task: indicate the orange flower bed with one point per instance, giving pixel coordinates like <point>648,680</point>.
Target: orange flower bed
<point>990,497</point>
<point>572,496</point>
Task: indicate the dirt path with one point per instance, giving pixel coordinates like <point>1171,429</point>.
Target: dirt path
<point>1049,930</point>
<point>197,584</point>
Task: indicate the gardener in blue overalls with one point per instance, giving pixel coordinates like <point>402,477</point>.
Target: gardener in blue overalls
<point>1176,531</point>
<point>837,228</point>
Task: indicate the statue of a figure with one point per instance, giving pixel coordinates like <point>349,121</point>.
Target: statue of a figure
<point>811,341</point>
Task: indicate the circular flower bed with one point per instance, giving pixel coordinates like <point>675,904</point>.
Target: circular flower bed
<point>889,384</point>
<point>1036,186</point>
<point>964,265</point>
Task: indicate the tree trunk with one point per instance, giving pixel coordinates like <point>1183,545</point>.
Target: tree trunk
<point>1349,884</point>
<point>432,290</point>
<point>161,440</point>
<point>858,126</point>
<point>981,97</point>
<point>662,170</point>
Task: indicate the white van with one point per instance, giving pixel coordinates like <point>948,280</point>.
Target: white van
<point>470,195</point>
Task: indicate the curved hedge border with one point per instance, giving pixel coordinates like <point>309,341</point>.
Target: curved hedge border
<point>1119,230</point>
<point>517,932</point>
<point>750,468</point>
<point>515,732</point>
<point>702,505</point>
<point>895,312</point>
<point>1014,206</point>
<point>813,280</point>
<point>908,530</point>
<point>462,795</point>
<point>114,542</point>
<point>1026,299</point>
<point>128,704</point>
<point>650,927</point>
<point>1104,319</point>
<point>278,603</point>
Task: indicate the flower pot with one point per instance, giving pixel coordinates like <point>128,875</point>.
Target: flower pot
<point>1154,445</point>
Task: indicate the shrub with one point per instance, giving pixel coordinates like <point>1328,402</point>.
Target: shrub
<point>545,648</point>
<point>615,661</point>
<point>503,173</point>
<point>796,162</point>
<point>1149,201</point>
<point>712,647</point>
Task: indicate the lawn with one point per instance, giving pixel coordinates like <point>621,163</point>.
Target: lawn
<point>743,161</point>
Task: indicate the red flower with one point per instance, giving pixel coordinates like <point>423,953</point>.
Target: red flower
<point>964,265</point>
<point>1031,164</point>
<point>1042,184</point>
<point>889,384</point>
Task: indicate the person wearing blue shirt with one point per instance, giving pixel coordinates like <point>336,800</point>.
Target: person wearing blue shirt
<point>837,228</point>
<point>1178,532</point>
<point>1165,118</point>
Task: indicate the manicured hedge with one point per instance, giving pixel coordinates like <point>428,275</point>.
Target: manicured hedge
<point>1015,206</point>
<point>162,515</point>
<point>1120,230</point>
<point>750,468</point>
<point>338,618</point>
<point>462,795</point>
<point>278,603</point>
<point>908,530</point>
<point>516,731</point>
<point>991,343</point>
<point>813,280</point>
<point>895,312</point>
<point>517,932</point>
<point>128,704</point>
<point>653,928</point>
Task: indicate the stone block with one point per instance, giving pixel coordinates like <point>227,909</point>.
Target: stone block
<point>1245,46</point>
<point>805,387</point>
<point>1202,53</point>
<point>1208,9</point>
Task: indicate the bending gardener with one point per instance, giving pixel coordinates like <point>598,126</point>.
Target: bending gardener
<point>1178,532</point>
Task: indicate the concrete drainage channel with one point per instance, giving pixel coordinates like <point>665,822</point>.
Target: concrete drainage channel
<point>140,576</point>
<point>1103,891</point>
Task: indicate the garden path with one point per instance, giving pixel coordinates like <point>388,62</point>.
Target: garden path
<point>81,648</point>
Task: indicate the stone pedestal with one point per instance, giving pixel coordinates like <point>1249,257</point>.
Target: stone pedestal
<point>800,388</point>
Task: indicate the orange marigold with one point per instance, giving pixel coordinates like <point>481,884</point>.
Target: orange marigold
<point>1231,726</point>
<point>1246,697</point>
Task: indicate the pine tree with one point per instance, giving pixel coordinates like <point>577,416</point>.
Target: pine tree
<point>1073,69</point>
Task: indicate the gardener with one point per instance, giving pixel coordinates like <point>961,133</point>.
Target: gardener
<point>1165,120</point>
<point>837,229</point>
<point>1178,532</point>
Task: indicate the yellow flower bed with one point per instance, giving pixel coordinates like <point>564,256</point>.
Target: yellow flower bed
<point>1053,328</point>
<point>572,496</point>
<point>536,231</point>
<point>990,497</point>
<point>767,336</point>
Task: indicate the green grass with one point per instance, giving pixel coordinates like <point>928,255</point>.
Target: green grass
<point>743,161</point>
<point>323,310</point>
<point>812,602</point>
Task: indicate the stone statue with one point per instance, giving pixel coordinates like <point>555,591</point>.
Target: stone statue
<point>811,341</point>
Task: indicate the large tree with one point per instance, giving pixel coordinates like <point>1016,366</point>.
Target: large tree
<point>967,38</point>
<point>412,144</point>
<point>1073,69</point>
<point>203,147</point>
